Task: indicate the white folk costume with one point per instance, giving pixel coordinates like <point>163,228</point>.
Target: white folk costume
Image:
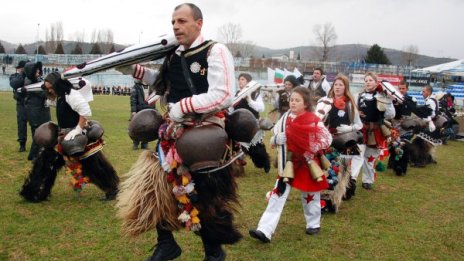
<point>344,154</point>
<point>180,184</point>
<point>306,137</point>
<point>374,108</point>
<point>81,155</point>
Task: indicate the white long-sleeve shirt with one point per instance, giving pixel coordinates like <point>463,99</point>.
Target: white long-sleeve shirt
<point>77,102</point>
<point>429,102</point>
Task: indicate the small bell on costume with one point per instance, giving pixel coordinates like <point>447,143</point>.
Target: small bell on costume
<point>325,163</point>
<point>316,171</point>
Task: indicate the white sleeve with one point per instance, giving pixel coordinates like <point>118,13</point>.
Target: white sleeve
<point>149,76</point>
<point>258,104</point>
<point>221,84</point>
<point>357,123</point>
<point>326,86</point>
<point>432,105</point>
<point>77,102</point>
<point>390,112</point>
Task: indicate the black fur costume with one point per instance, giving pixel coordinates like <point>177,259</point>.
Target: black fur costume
<point>38,184</point>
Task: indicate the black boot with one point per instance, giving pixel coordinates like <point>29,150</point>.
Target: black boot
<point>22,146</point>
<point>214,252</point>
<point>166,248</point>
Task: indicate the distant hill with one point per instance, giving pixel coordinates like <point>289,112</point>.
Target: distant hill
<point>68,46</point>
<point>349,53</point>
<point>340,53</point>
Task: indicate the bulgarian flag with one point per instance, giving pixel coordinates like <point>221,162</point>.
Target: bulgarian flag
<point>278,76</point>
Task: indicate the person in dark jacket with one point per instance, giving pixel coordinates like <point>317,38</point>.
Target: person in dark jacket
<point>35,103</point>
<point>138,103</point>
<point>17,82</point>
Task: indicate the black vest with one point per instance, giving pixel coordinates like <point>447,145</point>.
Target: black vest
<point>368,109</point>
<point>197,67</point>
<point>284,101</point>
<point>402,109</point>
<point>335,119</point>
<point>318,91</point>
<point>67,117</point>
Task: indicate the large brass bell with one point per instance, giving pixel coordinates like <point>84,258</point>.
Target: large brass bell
<point>316,171</point>
<point>288,172</point>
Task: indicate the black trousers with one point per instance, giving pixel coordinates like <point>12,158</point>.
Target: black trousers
<point>21,119</point>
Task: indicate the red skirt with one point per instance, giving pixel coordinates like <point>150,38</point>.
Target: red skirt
<point>303,179</point>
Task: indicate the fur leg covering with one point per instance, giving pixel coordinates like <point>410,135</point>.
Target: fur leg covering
<point>259,156</point>
<point>100,172</point>
<point>344,177</point>
<point>145,197</point>
<point>217,201</point>
<point>41,178</point>
<point>419,152</point>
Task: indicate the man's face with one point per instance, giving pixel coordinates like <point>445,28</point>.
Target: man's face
<point>317,75</point>
<point>403,89</point>
<point>425,93</point>
<point>185,28</point>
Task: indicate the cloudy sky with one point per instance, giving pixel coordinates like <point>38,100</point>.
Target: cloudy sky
<point>434,26</point>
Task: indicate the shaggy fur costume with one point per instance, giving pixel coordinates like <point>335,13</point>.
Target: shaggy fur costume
<point>38,184</point>
<point>334,197</point>
<point>41,178</point>
<point>146,201</point>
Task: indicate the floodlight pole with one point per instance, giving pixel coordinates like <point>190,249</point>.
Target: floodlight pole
<point>37,49</point>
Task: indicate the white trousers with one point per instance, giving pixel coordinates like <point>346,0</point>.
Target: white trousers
<point>366,161</point>
<point>311,202</point>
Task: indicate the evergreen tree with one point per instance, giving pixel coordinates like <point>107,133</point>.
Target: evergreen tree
<point>20,50</point>
<point>2,49</point>
<point>59,48</point>
<point>95,49</point>
<point>41,50</point>
<point>77,49</point>
<point>376,55</point>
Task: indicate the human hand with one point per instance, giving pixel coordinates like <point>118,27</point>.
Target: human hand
<point>431,126</point>
<point>23,90</point>
<point>343,128</point>
<point>73,133</point>
<point>175,112</point>
<point>280,139</point>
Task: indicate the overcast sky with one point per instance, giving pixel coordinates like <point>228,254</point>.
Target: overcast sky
<point>434,26</point>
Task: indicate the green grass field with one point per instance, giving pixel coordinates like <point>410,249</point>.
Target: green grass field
<point>416,217</point>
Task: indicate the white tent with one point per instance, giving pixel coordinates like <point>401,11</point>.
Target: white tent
<point>451,68</point>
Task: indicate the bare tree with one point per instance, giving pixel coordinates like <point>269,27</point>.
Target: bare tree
<point>230,34</point>
<point>325,38</point>
<point>410,54</point>
<point>53,36</point>
<point>246,49</point>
